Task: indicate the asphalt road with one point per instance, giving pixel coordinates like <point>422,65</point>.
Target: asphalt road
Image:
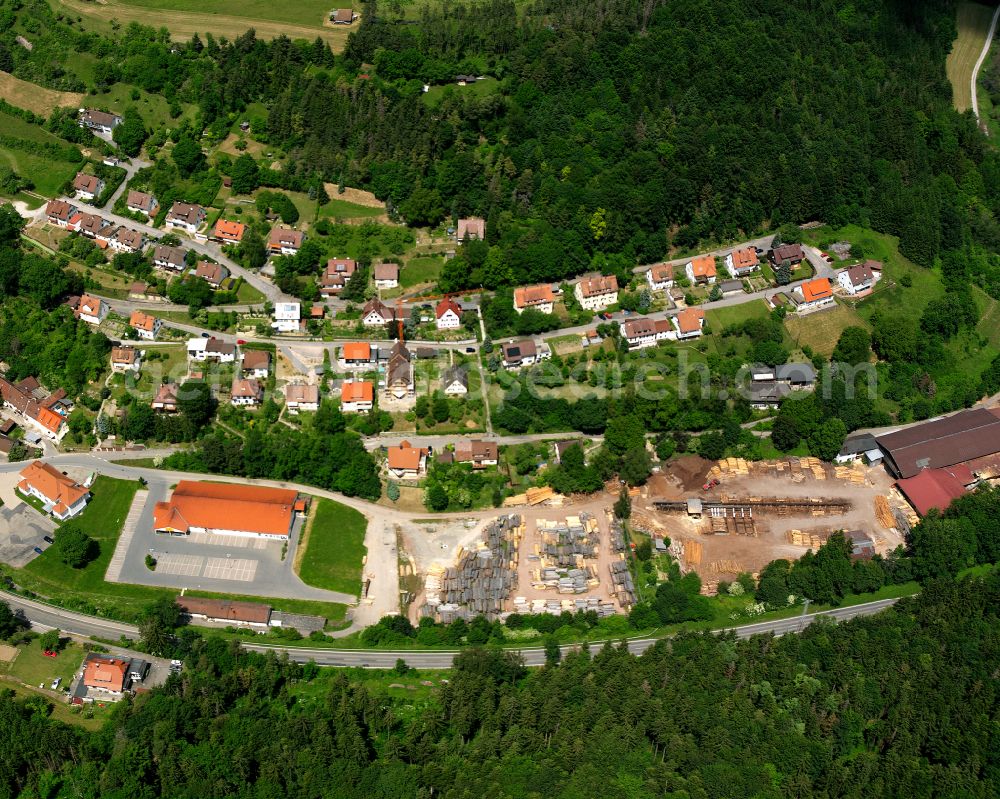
<point>46,617</point>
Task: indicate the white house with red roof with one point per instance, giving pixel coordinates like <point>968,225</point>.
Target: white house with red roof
<point>449,314</point>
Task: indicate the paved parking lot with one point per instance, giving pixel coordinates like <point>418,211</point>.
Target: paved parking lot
<point>21,530</point>
<point>230,541</point>
<point>187,565</point>
<point>231,569</point>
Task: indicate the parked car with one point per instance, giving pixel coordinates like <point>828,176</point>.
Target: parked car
<point>56,683</point>
<point>710,484</point>
<point>38,550</point>
<point>206,335</point>
<point>241,341</point>
<point>470,349</point>
<point>49,653</point>
<point>47,539</point>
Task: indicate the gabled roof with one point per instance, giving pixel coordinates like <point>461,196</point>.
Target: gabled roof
<point>213,273</point>
<point>224,229</point>
<point>19,397</point>
<point>59,209</point>
<point>943,442</point>
<point>661,273</point>
<point>526,296</point>
<point>703,266</point>
<point>356,351</point>
<point>689,320</point>
<point>130,238</point>
<point>166,394</point>
<point>186,212</point>
<point>448,304</point>
<point>405,457</point>
<point>455,374</point>
<point>87,183</point>
<point>126,355</point>
<point>225,609</point>
<point>745,258</point>
<point>285,237</point>
<point>935,488</point>
<point>343,15</point>
<point>302,393</point>
<point>256,359</point>
<point>95,117</point>
<point>638,328</point>
<point>472,226</point>
<point>475,450</point>
<point>89,306</point>
<point>142,321</point>
<point>787,252</point>
<point>387,271</point>
<point>796,372</point>
<point>56,487</point>
<point>817,289</point>
<point>340,266</point>
<point>171,255</point>
<point>517,350</point>
<point>357,391</point>
<point>139,199</point>
<point>595,286</point>
<point>247,388</point>
<point>860,274</point>
<point>378,307</point>
<point>226,506</point>
<point>105,672</point>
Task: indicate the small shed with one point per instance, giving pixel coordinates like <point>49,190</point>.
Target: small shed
<point>694,506</point>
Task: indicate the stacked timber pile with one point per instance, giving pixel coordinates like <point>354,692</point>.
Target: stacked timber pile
<point>727,567</point>
<point>534,496</point>
<point>806,539</point>
<point>557,606</point>
<point>567,543</point>
<point>883,512</point>
<point>482,578</point>
<point>622,586</point>
<point>566,581</point>
<point>618,534</point>
<point>852,474</point>
<point>736,467</point>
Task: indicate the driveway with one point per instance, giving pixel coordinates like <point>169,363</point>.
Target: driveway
<point>21,530</point>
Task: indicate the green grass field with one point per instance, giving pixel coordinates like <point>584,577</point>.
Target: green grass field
<point>421,269</point>
<point>720,318</point>
<point>334,548</point>
<point>481,88</point>
<point>973,24</point>
<point>301,12</point>
<point>822,329</point>
<point>342,209</point>
<point>47,175</point>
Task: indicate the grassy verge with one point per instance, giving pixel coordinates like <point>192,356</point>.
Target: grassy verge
<point>334,548</point>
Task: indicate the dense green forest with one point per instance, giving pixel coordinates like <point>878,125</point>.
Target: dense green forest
<point>611,133</point>
<point>899,704</point>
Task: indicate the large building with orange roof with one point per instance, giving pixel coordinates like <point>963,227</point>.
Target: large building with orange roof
<point>61,496</point>
<point>226,509</point>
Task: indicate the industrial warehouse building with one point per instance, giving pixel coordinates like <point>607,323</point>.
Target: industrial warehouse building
<point>962,438</point>
<point>226,509</point>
